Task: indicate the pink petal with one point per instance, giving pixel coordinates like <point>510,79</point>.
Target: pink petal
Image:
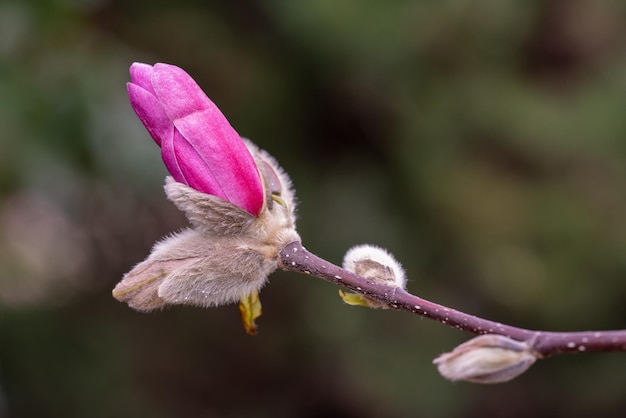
<point>141,74</point>
<point>168,153</point>
<point>226,157</point>
<point>197,173</point>
<point>150,112</point>
<point>178,92</point>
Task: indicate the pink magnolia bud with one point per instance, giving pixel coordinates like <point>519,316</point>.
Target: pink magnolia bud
<point>198,145</point>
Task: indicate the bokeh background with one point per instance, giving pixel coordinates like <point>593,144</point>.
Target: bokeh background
<point>482,142</point>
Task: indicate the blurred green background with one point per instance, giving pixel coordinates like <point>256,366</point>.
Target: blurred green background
<point>482,142</point>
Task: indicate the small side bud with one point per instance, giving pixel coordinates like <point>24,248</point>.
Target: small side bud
<point>376,264</point>
<point>488,358</point>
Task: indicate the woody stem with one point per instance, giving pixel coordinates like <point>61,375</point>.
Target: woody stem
<point>294,257</point>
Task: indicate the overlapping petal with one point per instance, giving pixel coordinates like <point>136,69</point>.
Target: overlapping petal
<point>150,112</point>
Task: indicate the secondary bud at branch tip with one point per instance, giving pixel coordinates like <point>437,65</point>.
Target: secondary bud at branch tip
<point>488,358</point>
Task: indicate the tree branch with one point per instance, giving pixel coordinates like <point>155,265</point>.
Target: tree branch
<point>294,257</point>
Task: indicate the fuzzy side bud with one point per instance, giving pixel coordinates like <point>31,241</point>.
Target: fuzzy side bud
<point>376,264</point>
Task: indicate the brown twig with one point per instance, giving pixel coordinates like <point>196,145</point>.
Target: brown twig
<point>294,257</point>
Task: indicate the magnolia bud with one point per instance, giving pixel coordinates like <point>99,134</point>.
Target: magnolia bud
<point>227,188</point>
<point>376,264</point>
<point>226,255</point>
<point>488,358</point>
